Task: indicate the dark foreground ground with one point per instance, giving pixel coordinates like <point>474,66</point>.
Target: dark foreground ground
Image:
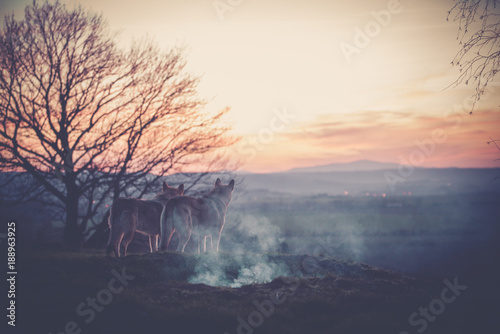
<point>59,292</point>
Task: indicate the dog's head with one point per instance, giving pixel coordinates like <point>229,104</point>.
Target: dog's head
<point>223,191</point>
<point>168,192</point>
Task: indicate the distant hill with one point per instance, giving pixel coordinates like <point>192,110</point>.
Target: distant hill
<point>423,181</point>
<point>355,166</point>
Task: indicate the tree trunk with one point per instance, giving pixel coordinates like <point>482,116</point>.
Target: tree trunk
<point>72,232</point>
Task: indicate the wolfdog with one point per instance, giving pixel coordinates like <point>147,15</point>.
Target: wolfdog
<point>128,215</point>
<point>203,217</point>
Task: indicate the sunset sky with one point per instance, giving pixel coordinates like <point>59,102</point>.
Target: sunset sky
<point>266,59</point>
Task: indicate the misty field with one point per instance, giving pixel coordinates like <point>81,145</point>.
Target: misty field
<point>416,234</point>
<point>288,264</point>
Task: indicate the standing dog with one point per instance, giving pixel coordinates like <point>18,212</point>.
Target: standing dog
<point>129,215</point>
<point>203,217</point>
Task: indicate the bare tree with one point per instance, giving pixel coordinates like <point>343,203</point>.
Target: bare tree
<point>494,142</point>
<point>87,120</point>
<point>479,37</point>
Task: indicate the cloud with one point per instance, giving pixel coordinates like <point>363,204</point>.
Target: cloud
<point>385,136</point>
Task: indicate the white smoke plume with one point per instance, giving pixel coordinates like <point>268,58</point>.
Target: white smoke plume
<point>237,271</point>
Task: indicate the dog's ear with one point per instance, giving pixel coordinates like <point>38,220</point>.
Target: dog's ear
<point>181,188</point>
<point>231,185</point>
<point>218,182</point>
<point>165,186</point>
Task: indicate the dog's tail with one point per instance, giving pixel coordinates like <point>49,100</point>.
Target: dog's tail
<point>167,225</point>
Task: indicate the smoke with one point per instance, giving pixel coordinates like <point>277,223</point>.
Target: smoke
<point>259,273</point>
<point>268,236</point>
<point>210,278</point>
<point>262,272</point>
<point>250,233</point>
<point>247,239</point>
<point>350,232</point>
<point>236,271</point>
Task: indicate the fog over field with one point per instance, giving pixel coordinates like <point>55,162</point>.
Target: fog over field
<point>317,247</point>
<point>436,222</point>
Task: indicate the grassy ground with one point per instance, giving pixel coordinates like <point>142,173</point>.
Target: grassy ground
<point>316,295</point>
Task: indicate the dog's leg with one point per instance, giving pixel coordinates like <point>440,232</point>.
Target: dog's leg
<point>170,238</point>
<point>117,245</point>
<point>184,236</point>
<point>156,242</point>
<point>218,241</point>
<point>127,238</point>
<point>129,218</point>
<point>151,243</point>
